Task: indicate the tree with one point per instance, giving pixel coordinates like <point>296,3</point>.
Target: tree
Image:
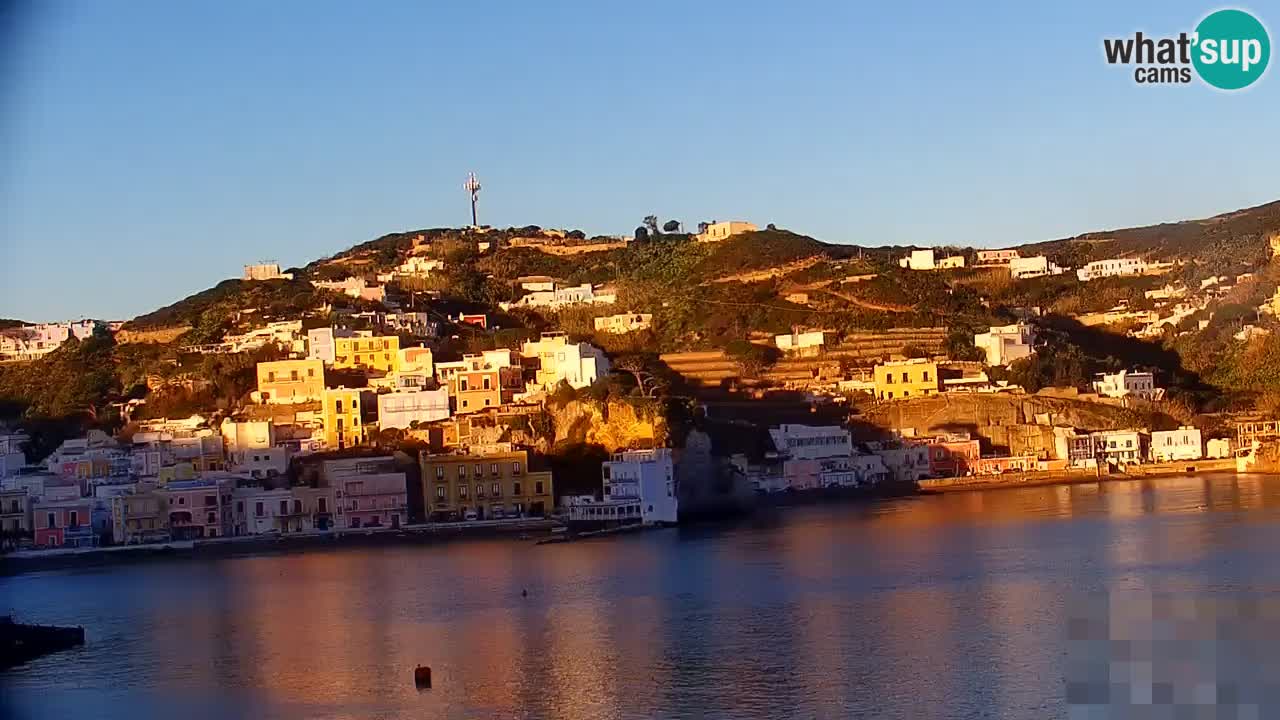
<point>642,234</point>
<point>640,368</point>
<point>912,351</point>
<point>671,226</point>
<point>651,223</point>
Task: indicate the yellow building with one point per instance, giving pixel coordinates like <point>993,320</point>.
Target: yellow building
<point>290,381</point>
<point>906,378</point>
<point>490,484</point>
<point>378,352</point>
<point>341,412</point>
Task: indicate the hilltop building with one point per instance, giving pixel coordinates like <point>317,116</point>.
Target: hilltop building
<point>1115,267</point>
<point>265,271</point>
<point>716,230</point>
<point>1021,268</point>
<point>996,257</point>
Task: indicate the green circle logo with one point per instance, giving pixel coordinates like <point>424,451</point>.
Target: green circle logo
<point>1231,49</point>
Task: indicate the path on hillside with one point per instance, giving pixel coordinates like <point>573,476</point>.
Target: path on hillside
<point>867,304</point>
<point>752,276</point>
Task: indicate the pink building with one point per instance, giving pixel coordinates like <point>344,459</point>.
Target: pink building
<point>953,458</point>
<point>63,523</point>
<point>198,508</point>
<point>369,492</point>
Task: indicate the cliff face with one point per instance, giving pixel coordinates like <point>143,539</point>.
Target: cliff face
<point>1018,424</point>
<point>614,425</point>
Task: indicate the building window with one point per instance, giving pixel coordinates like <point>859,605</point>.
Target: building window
<point>182,500</point>
<point>211,519</point>
<point>240,507</point>
<point>210,500</point>
<point>515,468</point>
<point>925,376</point>
<point>515,488</point>
<point>439,492</point>
<point>479,470</point>
<point>337,406</point>
<point>479,490</point>
<point>493,470</point>
<point>258,509</point>
<point>271,377</point>
<point>311,372</point>
<point>497,489</point>
<point>537,488</point>
<point>322,505</point>
<point>486,383</point>
<point>462,491</point>
<point>293,375</point>
<point>439,472</point>
<point>462,472</point>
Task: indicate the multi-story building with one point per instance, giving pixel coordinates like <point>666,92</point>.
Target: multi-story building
<point>906,463</point>
<point>1120,447</point>
<point>1114,267</point>
<point>641,485</point>
<point>369,492</point>
<point>286,510</point>
<point>238,435</point>
<point>906,378</point>
<point>488,483</point>
<point>584,294</point>
<point>356,287</point>
<point>996,257</point>
<point>15,512</point>
<point>31,342</point>
<point>365,350</point>
<point>320,343</point>
<point>718,230</point>
<point>290,381</point>
<point>579,364</point>
<point>342,414</point>
<point>12,458</point>
<point>140,518</point>
<point>1172,445</point>
<point>623,323</point>
<point>64,523</point>
<point>918,260</point>
<point>953,456</point>
<point>1006,343</point>
<point>403,409</point>
<point>198,508</point>
<point>260,463</point>
<point>1126,383</point>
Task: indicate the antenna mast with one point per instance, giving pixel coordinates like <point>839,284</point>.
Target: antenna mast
<point>472,187</point>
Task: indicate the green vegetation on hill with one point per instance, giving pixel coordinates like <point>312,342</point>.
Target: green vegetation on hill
<point>211,312</point>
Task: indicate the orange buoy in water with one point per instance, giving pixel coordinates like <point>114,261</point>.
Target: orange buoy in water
<point>422,676</point>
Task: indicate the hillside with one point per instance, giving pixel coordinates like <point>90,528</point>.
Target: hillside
<point>1223,242</point>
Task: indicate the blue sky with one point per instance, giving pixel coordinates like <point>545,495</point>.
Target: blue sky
<point>149,149</point>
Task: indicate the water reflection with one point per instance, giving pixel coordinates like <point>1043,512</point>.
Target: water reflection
<point>897,609</point>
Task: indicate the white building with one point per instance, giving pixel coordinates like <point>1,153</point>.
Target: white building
<point>579,364</point>
<point>1114,267</point>
<point>643,480</point>
<point>259,462</point>
<point>624,323</point>
<point>1172,445</point>
<point>918,260</point>
<point>716,231</point>
<point>247,434</point>
<point>1126,383</point>
<point>1032,267</point>
<point>809,442</point>
<point>419,266</point>
<point>801,343</point>
<point>355,287</point>
<point>321,346</point>
<point>288,510</point>
<point>31,342</point>
<point>584,294</point>
<point>1119,447</point>
<point>1005,343</point>
<point>402,409</point>
<point>1218,447</point>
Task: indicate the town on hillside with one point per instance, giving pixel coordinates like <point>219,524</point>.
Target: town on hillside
<point>537,378</point>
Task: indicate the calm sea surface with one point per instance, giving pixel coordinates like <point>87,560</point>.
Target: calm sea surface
<point>941,606</point>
